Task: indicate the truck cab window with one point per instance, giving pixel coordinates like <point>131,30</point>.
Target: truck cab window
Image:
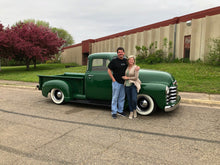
<point>100,64</point>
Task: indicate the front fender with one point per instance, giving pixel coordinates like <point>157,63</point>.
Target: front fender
<point>59,84</point>
<point>156,91</point>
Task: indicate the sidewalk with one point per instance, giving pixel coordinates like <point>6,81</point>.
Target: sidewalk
<point>18,84</point>
<point>212,100</point>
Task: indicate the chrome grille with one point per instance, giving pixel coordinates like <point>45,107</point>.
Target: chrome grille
<point>171,97</point>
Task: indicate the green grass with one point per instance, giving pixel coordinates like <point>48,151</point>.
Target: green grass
<point>191,77</point>
<point>19,73</point>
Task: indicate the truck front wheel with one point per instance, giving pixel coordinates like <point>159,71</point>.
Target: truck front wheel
<point>57,96</point>
<point>145,105</point>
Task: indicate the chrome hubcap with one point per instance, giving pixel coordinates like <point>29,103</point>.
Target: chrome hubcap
<point>59,94</point>
<point>143,103</point>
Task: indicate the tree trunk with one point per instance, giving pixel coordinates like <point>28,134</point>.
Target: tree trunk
<point>28,64</point>
<point>35,63</point>
<point>27,67</point>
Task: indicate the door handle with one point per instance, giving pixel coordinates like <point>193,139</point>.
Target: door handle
<point>90,76</point>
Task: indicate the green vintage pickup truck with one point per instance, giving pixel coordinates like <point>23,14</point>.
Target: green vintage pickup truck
<point>158,89</point>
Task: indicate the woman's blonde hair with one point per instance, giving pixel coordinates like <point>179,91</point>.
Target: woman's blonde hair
<point>132,56</point>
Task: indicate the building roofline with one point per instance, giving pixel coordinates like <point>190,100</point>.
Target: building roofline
<point>175,20</point>
<point>72,46</point>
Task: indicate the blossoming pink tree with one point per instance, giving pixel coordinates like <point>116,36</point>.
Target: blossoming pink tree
<point>28,42</point>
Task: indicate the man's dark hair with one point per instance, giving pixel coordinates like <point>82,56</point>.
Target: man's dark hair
<point>120,48</point>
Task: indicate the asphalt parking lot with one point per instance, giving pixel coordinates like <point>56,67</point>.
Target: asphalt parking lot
<point>33,130</point>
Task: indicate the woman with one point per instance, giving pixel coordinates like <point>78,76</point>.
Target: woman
<point>132,86</point>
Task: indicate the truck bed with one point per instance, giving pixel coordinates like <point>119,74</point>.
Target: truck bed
<point>74,80</point>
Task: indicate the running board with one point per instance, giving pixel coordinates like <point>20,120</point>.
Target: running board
<point>93,102</point>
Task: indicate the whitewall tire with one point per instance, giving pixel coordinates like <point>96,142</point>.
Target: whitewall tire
<point>57,96</point>
<point>145,105</point>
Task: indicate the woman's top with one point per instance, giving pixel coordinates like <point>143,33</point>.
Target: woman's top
<point>133,77</point>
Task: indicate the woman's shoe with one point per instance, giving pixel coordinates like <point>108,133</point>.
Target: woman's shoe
<point>131,115</point>
<point>135,113</point>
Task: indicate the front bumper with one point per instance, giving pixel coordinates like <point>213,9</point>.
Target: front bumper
<point>169,108</point>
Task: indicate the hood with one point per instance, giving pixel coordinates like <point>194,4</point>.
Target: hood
<point>154,76</point>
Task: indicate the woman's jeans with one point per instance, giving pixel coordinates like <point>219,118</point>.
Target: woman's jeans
<point>118,97</point>
<point>131,93</point>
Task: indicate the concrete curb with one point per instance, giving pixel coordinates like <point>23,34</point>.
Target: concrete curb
<point>18,84</point>
<point>200,98</point>
<point>203,102</point>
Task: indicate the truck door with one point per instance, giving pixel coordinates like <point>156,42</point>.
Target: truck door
<point>98,84</point>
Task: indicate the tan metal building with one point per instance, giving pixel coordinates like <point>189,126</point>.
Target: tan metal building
<point>190,35</point>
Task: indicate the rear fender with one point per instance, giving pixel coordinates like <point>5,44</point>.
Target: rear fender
<point>59,84</point>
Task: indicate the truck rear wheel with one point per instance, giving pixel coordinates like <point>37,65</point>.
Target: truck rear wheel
<point>145,105</point>
<point>57,96</point>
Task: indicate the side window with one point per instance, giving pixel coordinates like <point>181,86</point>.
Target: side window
<point>100,64</point>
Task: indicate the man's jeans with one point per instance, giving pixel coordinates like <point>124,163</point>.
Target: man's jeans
<point>118,97</point>
<point>131,93</point>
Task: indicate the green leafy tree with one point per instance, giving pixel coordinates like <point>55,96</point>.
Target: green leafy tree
<point>64,35</point>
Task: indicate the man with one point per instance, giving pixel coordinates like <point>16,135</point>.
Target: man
<point>118,66</point>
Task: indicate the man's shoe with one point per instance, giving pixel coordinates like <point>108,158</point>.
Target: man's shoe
<point>121,114</point>
<point>114,116</point>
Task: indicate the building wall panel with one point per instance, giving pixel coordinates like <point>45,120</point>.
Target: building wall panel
<point>204,26</point>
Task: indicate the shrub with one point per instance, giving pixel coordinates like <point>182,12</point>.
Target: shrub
<point>11,62</point>
<point>152,55</point>
<point>143,52</point>
<point>214,52</point>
